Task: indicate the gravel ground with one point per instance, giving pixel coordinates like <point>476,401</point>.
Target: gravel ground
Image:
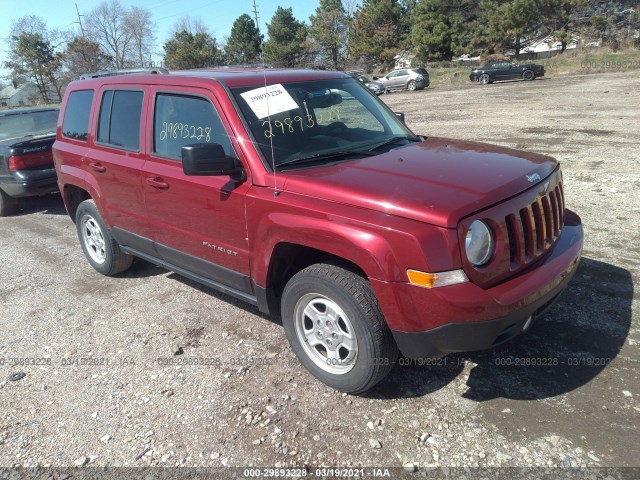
<point>149,369</point>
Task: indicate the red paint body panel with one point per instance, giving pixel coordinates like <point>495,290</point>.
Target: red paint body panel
<point>438,181</point>
<point>409,308</point>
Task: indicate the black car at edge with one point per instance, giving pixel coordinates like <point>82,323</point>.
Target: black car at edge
<point>496,71</point>
<point>26,162</point>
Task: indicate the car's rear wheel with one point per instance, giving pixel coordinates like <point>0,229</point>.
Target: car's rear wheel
<point>336,328</point>
<point>528,75</point>
<point>8,205</point>
<point>101,250</point>
<point>412,85</point>
<point>484,79</point>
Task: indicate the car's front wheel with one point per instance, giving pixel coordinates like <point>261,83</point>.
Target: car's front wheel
<point>336,328</point>
<point>8,205</point>
<point>484,79</point>
<point>528,75</point>
<point>102,251</point>
<point>412,85</point>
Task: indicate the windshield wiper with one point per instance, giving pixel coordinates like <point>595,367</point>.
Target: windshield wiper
<point>393,140</point>
<point>318,157</point>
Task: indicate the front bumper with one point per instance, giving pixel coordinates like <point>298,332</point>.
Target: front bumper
<point>465,317</point>
<point>29,183</point>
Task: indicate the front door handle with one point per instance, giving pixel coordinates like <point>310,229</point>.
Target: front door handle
<point>98,167</point>
<point>157,182</point>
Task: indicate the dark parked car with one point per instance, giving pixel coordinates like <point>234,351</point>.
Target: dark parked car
<point>409,78</point>
<point>496,71</point>
<point>376,87</point>
<point>26,162</point>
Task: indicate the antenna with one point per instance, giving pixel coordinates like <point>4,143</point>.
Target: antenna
<point>276,193</point>
<point>80,20</point>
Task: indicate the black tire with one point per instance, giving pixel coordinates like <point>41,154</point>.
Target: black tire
<point>8,205</point>
<point>484,79</point>
<point>376,351</point>
<point>412,85</point>
<point>528,75</point>
<point>101,250</point>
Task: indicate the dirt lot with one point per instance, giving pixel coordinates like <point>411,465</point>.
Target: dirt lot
<point>101,394</point>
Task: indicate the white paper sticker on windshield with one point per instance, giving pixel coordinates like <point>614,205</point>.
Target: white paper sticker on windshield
<point>269,100</point>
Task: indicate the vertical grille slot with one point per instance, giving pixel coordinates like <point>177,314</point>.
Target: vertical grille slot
<point>538,219</point>
<point>529,232</point>
<point>560,197</point>
<point>548,219</point>
<point>516,240</point>
<point>555,213</point>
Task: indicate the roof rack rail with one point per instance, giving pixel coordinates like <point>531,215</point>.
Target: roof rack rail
<point>124,71</point>
<point>247,65</point>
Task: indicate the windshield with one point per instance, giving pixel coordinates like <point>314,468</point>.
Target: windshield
<point>29,123</point>
<point>319,118</point>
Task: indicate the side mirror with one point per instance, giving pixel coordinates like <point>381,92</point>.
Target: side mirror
<point>200,159</point>
<point>375,78</point>
<point>400,115</point>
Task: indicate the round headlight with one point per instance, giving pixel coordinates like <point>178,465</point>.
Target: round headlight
<point>479,243</point>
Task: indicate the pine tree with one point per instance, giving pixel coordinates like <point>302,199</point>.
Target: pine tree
<point>441,28</point>
<point>377,35</point>
<point>328,30</point>
<point>287,36</point>
<point>187,50</point>
<point>243,45</point>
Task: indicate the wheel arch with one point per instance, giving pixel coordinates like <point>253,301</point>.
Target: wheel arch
<point>288,258</point>
<point>73,196</point>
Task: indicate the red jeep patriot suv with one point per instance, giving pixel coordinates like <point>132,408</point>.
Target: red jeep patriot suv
<point>303,194</point>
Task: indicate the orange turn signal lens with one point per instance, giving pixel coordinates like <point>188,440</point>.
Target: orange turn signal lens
<point>433,280</point>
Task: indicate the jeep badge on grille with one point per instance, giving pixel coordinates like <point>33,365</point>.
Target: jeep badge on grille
<point>533,178</point>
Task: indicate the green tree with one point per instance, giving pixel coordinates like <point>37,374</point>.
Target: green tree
<point>376,35</point>
<point>84,56</point>
<point>559,19</point>
<point>508,24</point>
<point>441,28</point>
<point>34,57</point>
<point>243,45</point>
<point>187,50</point>
<point>286,46</point>
<point>329,30</point>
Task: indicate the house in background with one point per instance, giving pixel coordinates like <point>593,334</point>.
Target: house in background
<point>20,95</point>
<point>404,60</point>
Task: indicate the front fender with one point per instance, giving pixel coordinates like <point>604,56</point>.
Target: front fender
<point>383,246</point>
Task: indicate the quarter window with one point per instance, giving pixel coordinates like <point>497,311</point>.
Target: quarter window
<point>76,116</point>
<point>119,123</point>
<point>181,120</point>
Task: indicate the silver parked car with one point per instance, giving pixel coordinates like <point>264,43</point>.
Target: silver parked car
<point>376,87</point>
<point>409,78</point>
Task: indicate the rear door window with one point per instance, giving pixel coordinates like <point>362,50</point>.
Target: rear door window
<point>119,123</point>
<point>76,116</point>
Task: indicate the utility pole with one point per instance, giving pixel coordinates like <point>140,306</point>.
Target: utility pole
<point>257,17</point>
<point>80,20</point>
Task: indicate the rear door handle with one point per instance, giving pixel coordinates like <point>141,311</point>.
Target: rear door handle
<point>157,182</point>
<point>98,167</point>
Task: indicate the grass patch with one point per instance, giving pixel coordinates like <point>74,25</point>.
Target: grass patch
<point>571,62</point>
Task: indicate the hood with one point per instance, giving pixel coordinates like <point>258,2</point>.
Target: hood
<point>437,181</point>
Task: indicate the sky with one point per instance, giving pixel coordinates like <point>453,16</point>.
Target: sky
<point>218,15</point>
